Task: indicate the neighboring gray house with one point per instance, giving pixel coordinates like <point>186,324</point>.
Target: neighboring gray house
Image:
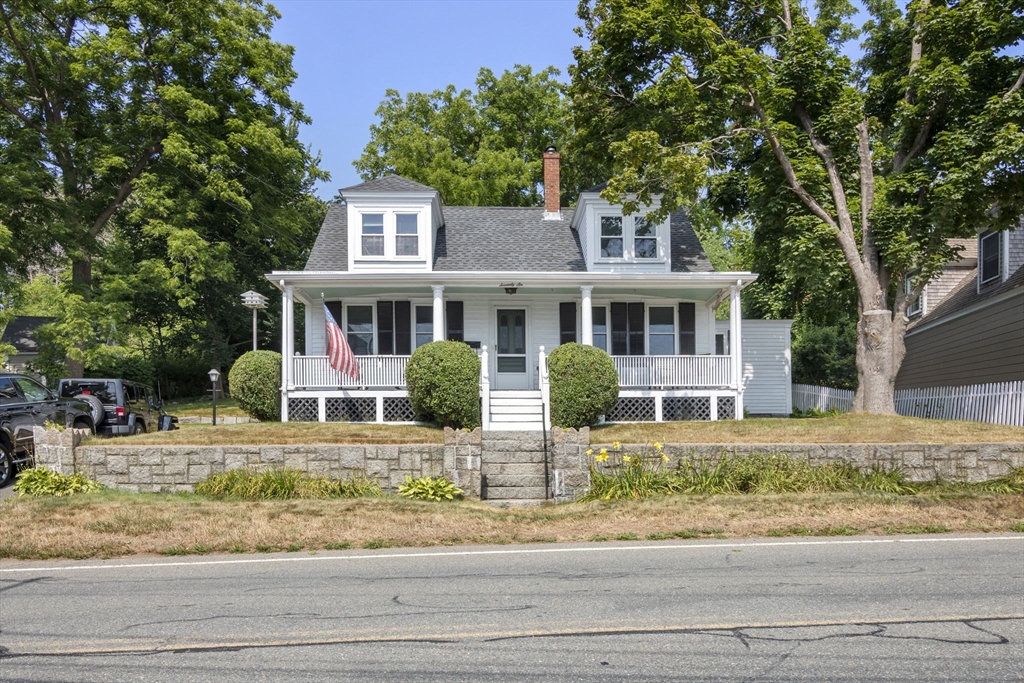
<point>398,269</point>
<point>21,334</point>
<point>969,326</point>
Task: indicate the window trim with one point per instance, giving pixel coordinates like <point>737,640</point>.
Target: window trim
<point>390,221</point>
<point>629,239</point>
<point>915,307</point>
<point>363,235</point>
<point>675,329</point>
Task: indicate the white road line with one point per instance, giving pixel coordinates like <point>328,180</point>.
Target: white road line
<point>518,551</point>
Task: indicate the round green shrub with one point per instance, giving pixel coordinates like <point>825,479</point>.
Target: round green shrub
<point>444,384</point>
<point>255,382</point>
<point>584,385</point>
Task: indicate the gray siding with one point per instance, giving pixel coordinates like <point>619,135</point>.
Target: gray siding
<point>986,345</point>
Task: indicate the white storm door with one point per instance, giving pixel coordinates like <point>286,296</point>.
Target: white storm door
<point>510,350</point>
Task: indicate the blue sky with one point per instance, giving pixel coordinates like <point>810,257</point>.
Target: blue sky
<point>348,52</point>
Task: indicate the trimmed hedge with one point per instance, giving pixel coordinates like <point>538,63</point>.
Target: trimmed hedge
<point>584,385</point>
<point>444,384</point>
<point>255,382</point>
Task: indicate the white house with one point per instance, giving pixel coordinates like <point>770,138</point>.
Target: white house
<point>397,269</point>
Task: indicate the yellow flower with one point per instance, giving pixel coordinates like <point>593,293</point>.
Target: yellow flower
<point>604,452</point>
<point>626,458</point>
<point>616,445</point>
<point>601,458</point>
<point>590,451</point>
<point>664,458</point>
<point>657,445</point>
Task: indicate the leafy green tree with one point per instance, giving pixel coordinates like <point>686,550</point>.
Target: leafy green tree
<point>482,149</point>
<point>161,130</point>
<point>850,173</point>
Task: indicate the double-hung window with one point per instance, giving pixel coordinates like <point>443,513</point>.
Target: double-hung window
<point>360,330</point>
<point>424,325</point>
<point>629,238</point>
<point>407,234</point>
<point>373,234</point>
<point>915,306</point>
<point>990,257</point>
<point>661,339</point>
<point>600,320</point>
<point>611,237</point>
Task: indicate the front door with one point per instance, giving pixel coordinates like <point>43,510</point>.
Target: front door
<point>510,346</point>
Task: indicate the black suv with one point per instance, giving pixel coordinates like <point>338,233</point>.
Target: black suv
<point>118,406</point>
<point>25,403</point>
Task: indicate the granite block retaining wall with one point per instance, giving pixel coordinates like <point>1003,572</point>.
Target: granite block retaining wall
<point>465,455</point>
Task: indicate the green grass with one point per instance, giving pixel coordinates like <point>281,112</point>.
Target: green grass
<point>282,484</point>
<point>203,407</point>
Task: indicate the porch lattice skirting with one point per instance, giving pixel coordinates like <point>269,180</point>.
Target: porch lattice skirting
<point>390,407</point>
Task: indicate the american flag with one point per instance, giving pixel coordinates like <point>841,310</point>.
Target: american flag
<point>339,353</point>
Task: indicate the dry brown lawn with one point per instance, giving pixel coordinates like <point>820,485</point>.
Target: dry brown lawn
<point>111,524</point>
<point>841,429</point>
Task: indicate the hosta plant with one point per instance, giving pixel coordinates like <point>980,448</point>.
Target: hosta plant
<point>429,488</point>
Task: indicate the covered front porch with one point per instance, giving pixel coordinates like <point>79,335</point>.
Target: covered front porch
<point>659,331</point>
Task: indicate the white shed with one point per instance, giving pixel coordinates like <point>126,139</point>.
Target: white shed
<point>767,364</point>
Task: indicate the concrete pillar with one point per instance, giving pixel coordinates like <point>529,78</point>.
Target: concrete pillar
<point>438,312</point>
<point>587,316</point>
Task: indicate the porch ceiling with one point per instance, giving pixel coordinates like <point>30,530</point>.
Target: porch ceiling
<point>522,293</point>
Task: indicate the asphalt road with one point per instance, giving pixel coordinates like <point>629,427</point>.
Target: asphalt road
<point>935,608</point>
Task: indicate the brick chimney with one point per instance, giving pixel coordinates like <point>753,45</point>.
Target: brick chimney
<point>552,160</point>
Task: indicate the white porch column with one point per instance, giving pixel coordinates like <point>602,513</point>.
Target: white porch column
<point>736,345</point>
<point>438,312</point>
<point>285,363</point>
<point>289,325</point>
<point>587,316</point>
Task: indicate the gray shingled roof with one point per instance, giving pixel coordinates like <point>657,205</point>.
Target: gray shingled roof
<point>505,238</point>
<point>966,294</point>
<point>389,183</point>
<point>487,238</point>
<point>330,251</point>
<point>20,332</point>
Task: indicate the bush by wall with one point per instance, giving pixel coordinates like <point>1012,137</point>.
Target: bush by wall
<point>255,382</point>
<point>444,381</point>
<point>584,385</point>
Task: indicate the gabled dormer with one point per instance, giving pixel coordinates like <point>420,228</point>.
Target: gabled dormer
<point>1000,254</point>
<point>392,224</point>
<point>617,243</point>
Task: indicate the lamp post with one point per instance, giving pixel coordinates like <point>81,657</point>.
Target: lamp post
<point>214,376</point>
<point>255,301</point>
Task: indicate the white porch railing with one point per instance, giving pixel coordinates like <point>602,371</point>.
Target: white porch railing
<point>673,371</point>
<point>374,371</point>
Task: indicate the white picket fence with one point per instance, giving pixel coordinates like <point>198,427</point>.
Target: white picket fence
<point>996,403</point>
<point>807,396</point>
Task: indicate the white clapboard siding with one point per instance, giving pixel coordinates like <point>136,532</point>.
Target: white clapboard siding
<point>995,403</point>
<point>809,396</point>
<point>767,365</point>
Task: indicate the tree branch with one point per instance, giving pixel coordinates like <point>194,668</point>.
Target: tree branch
<point>867,195</point>
<point>126,188</point>
<point>845,233</point>
<point>903,155</point>
<point>16,112</point>
<point>787,18</point>
<point>1016,86</point>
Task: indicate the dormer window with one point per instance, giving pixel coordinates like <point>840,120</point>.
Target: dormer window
<point>611,236</point>
<point>373,234</point>
<point>407,234</point>
<point>390,235</point>
<point>629,238</point>
<point>916,306</point>
<point>990,257</point>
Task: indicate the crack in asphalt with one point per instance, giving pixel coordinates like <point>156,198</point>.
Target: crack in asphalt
<point>313,616</point>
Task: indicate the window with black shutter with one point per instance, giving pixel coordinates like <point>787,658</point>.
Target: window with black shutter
<point>567,322</point>
<point>687,329</point>
<point>636,329</point>
<point>385,328</point>
<point>403,328</point>
<point>454,313</point>
<point>620,330</point>
<point>627,329</point>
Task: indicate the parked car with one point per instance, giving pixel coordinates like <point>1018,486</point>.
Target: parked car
<point>24,404</point>
<point>119,407</point>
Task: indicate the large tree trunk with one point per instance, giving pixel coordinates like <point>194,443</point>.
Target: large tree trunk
<point>81,282</point>
<point>880,352</point>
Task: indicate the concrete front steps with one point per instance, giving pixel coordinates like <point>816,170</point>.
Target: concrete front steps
<point>520,411</point>
<point>512,468</point>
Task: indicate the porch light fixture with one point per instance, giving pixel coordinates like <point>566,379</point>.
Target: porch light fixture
<point>511,287</point>
<point>214,376</point>
<point>254,301</point>
<point>510,290</point>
